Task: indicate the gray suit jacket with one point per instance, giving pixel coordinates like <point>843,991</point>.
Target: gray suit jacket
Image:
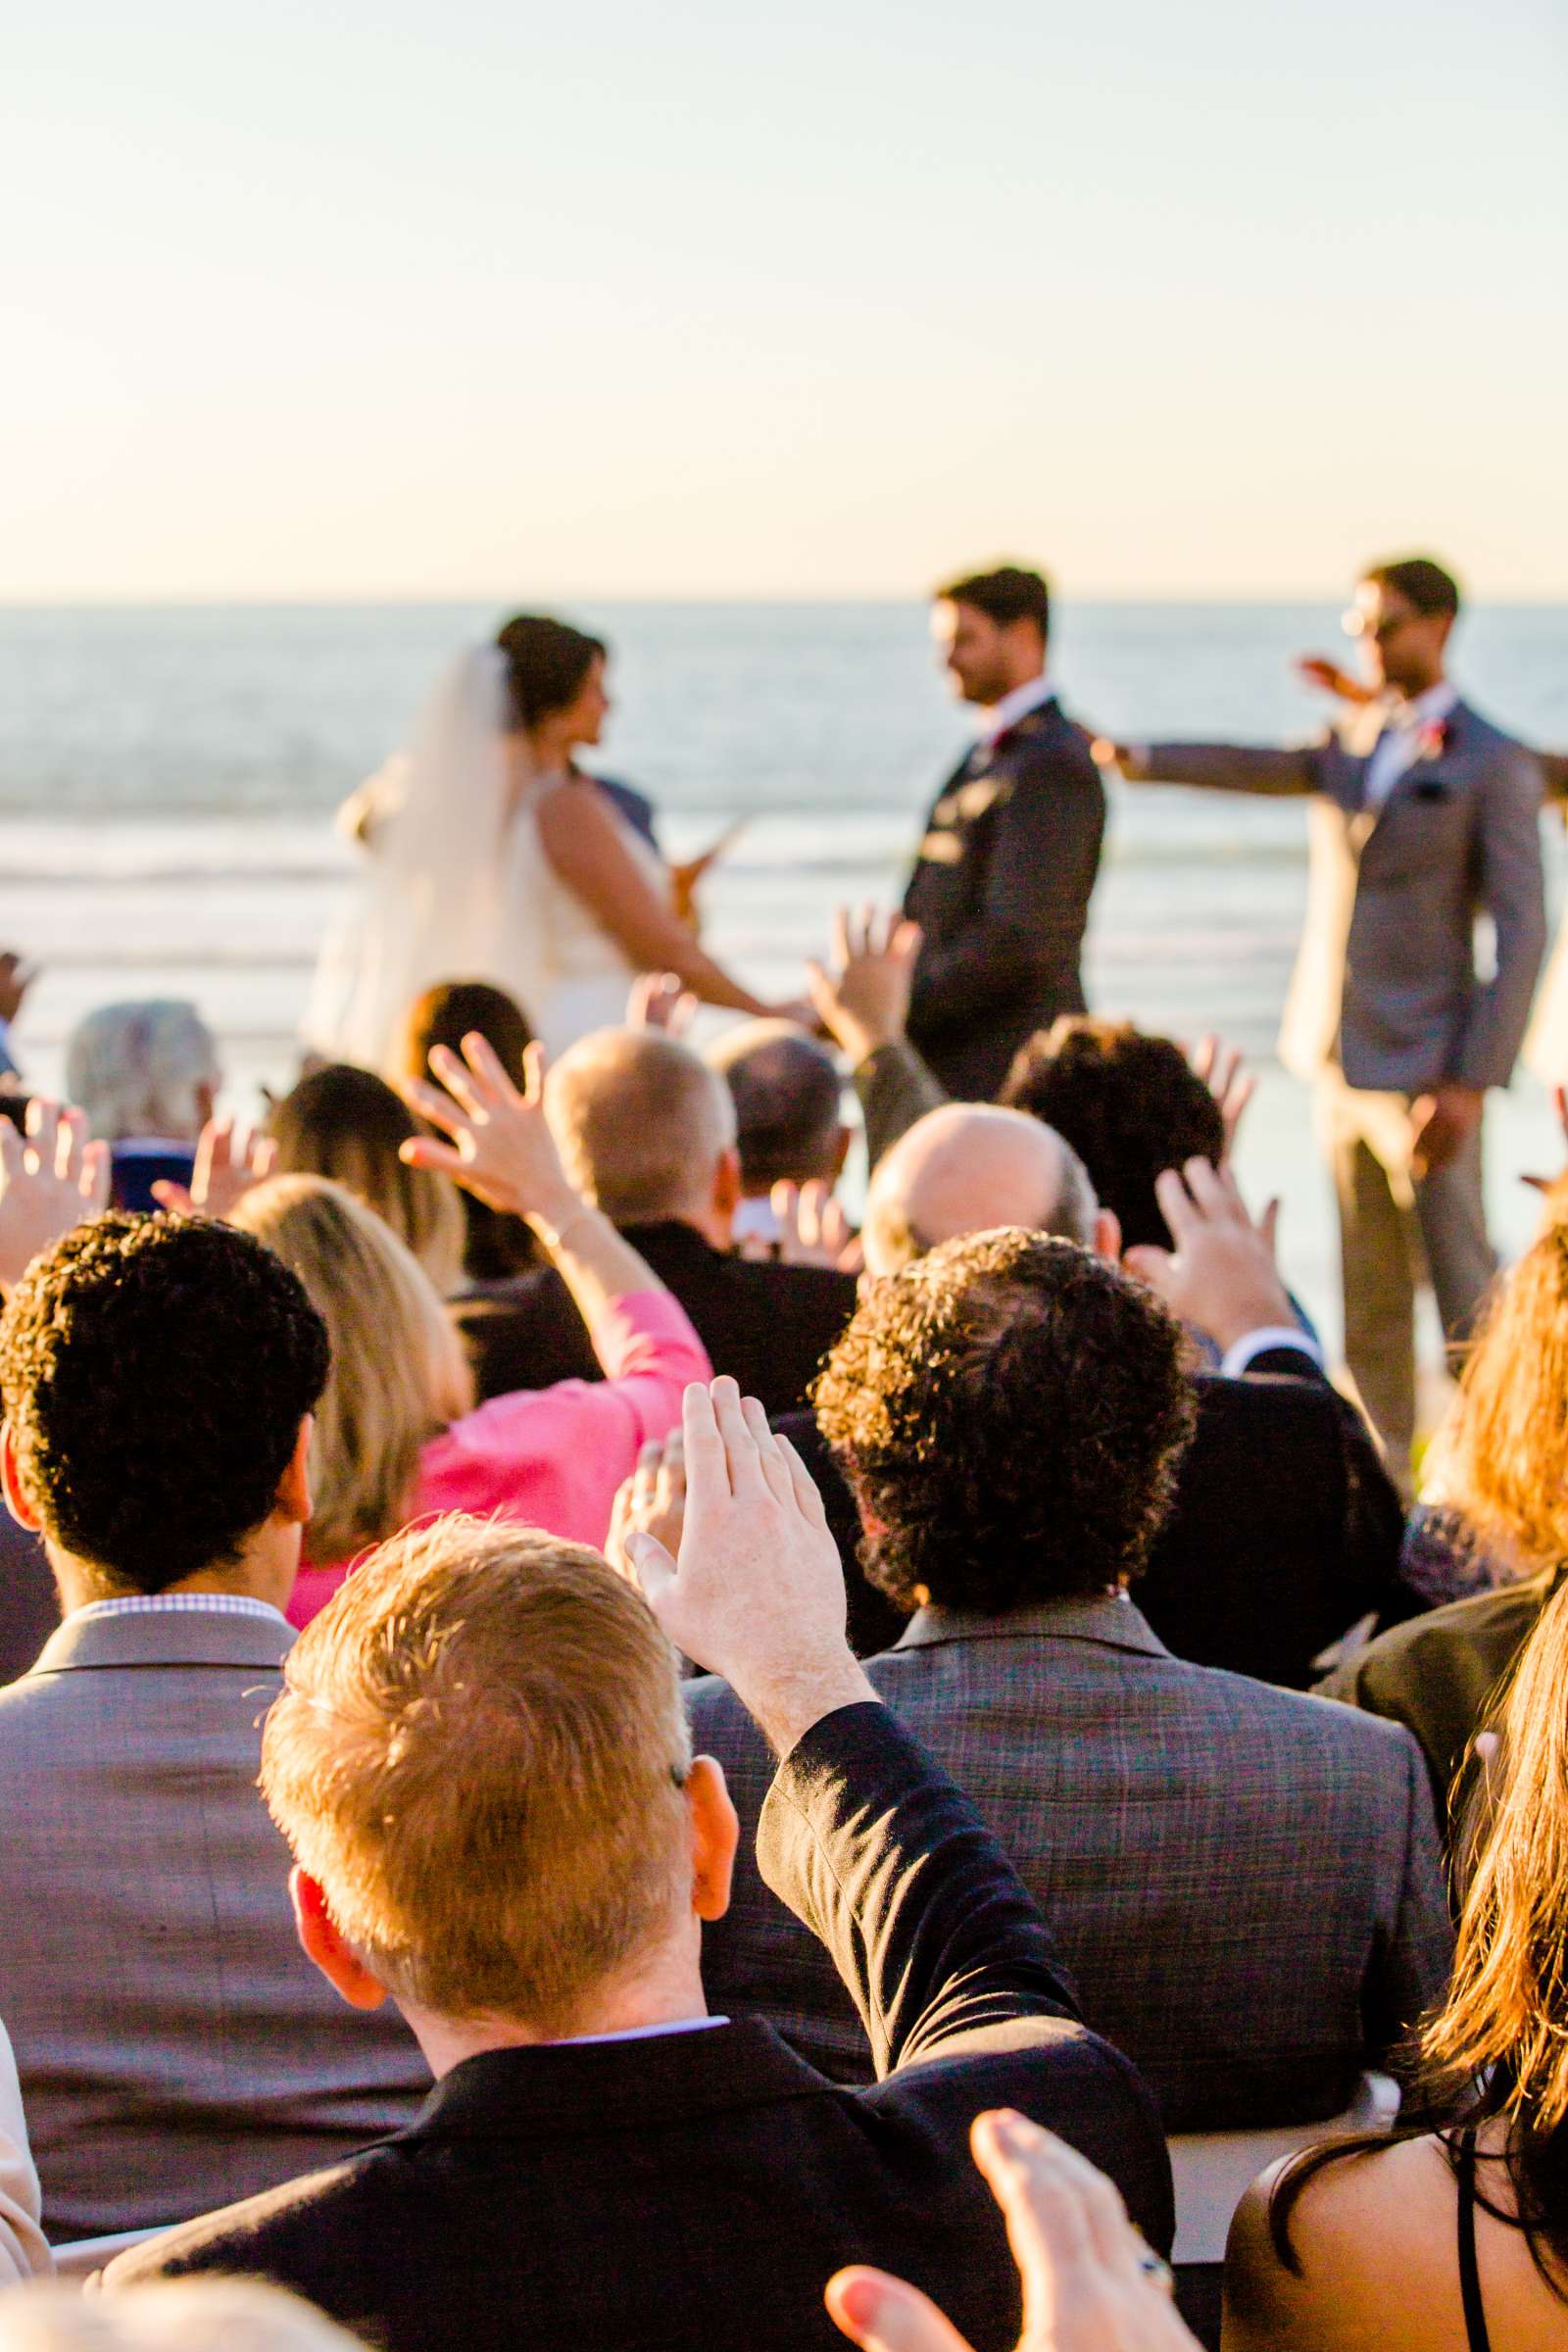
<point>1386,981</point>
<point>175,2047</point>
<point>1246,1887</point>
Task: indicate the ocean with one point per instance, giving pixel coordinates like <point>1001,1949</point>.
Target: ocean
<point>168,778</point>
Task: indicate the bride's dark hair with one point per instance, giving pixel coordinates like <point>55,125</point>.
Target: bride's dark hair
<point>547,663</point>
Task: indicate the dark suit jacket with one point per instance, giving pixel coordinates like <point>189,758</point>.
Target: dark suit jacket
<point>1284,1532</point>
<point>698,2189</point>
<point>1000,889</point>
<point>175,2046</point>
<point>1444,1675</point>
<point>1248,1889</point>
<point>767,1325</point>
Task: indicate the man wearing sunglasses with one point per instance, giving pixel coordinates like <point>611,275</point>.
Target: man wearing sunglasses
<point>1425,818</point>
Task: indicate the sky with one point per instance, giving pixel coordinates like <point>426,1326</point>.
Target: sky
<point>494,298</point>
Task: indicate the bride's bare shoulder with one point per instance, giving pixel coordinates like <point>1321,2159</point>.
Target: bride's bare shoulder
<point>1371,2238</point>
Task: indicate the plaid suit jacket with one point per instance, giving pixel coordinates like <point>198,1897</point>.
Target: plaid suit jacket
<point>1246,1887</point>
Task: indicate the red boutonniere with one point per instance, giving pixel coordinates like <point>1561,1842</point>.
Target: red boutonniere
<point>1433,739</point>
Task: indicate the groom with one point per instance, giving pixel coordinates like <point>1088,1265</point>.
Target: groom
<point>1425,818</point>
<point>1000,888</point>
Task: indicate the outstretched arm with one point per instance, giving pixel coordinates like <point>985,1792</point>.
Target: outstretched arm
<point>583,840</point>
<point>1216,766</point>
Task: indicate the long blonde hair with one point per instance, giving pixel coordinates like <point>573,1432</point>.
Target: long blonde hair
<point>1506,1465</point>
<point>399,1376</point>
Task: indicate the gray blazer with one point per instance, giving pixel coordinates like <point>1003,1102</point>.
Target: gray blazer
<point>1386,981</point>
<point>1246,1887</point>
<point>175,2047</point>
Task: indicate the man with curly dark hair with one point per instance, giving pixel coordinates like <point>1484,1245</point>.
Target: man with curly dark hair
<point>1251,1903</point>
<point>1129,1104</point>
<point>1013,1411</point>
<point>175,2046</point>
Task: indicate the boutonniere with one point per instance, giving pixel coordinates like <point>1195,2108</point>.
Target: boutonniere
<point>1434,738</point>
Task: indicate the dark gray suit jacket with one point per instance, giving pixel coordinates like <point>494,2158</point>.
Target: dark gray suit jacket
<point>175,2047</point>
<point>1386,981</point>
<point>1246,1887</point>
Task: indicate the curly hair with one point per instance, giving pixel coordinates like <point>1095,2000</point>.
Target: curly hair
<point>155,1373</point>
<point>1010,1411</point>
<point>1128,1104</point>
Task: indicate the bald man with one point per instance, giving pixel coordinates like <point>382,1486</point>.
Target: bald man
<point>1286,1530</point>
<point>787,1097</point>
<point>647,1133</point>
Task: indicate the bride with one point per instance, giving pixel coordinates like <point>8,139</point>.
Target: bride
<point>491,856</point>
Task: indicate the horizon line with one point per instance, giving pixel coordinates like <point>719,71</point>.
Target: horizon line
<point>198,600</point>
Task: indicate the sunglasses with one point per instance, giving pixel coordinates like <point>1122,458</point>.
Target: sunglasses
<point>1357,624</point>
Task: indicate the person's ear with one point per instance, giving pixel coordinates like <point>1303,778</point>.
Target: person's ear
<point>715,1837</point>
<point>293,1499</point>
<point>17,1503</point>
<point>322,1943</point>
<point>1108,1236</point>
<point>727,1181</point>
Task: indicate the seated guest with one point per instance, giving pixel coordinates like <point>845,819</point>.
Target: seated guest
<point>146,1075</point>
<point>1250,1904</point>
<point>646,1132</point>
<point>398,1437</point>
<point>348,1124</point>
<point>1259,1586</point>
<point>1506,1480</point>
<point>1432,2240</point>
<point>1129,1104</point>
<point>789,1126</point>
<point>24,2250</point>
<point>484,1768</point>
<point>159,1378</point>
<point>497,1247</point>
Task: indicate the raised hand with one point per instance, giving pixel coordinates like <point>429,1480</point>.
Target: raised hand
<point>229,1159</point>
<point>501,1147</point>
<point>15,978</point>
<point>1319,669</point>
<point>1220,1066</point>
<point>757,1591</point>
<point>813,1228</point>
<point>52,1180</point>
<point>1090,2282</point>
<point>1221,1277</point>
<point>865,1001</point>
<point>651,1502</point>
<point>657,1001</point>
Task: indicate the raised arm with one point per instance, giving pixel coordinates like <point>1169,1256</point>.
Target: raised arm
<point>501,1148</point>
<point>584,844</point>
<point>862,1833</point>
<point>862,1002</point>
<point>1216,766</point>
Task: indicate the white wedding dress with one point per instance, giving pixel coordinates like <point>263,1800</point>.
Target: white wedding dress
<point>455,886</point>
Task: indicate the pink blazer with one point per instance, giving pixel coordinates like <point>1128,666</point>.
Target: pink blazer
<point>554,1457</point>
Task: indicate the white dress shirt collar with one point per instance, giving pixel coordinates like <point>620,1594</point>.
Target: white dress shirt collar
<point>1030,695</point>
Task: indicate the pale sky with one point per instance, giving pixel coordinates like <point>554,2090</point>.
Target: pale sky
<point>543,301</point>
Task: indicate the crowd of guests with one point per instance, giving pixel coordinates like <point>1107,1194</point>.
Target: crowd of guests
<point>592,1754</point>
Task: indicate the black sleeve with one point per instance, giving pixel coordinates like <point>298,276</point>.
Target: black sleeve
<point>895,1088</point>
<point>871,1846</point>
<point>1040,870</point>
